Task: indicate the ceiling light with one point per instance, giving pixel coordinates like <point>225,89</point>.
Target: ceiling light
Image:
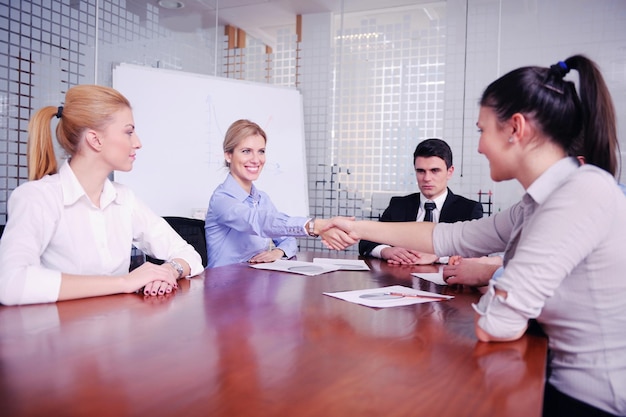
<point>171,4</point>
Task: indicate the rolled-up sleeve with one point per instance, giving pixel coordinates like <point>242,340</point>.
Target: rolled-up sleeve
<point>503,316</point>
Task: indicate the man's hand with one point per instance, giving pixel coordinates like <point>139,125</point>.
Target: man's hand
<point>402,256</point>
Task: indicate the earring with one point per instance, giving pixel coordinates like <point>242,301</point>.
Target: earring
<point>511,139</point>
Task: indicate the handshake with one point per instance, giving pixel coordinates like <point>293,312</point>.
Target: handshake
<point>416,237</point>
<point>338,232</point>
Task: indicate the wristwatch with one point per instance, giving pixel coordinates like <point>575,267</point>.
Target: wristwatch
<point>311,225</point>
<point>178,267</point>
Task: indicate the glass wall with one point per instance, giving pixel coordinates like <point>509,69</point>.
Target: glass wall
<point>374,83</point>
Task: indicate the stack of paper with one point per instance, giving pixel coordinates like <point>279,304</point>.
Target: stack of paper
<point>318,266</point>
<point>297,267</point>
<point>392,296</point>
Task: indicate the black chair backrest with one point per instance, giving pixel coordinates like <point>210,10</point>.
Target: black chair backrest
<point>192,230</point>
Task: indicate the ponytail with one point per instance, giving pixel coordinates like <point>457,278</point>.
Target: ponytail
<point>40,149</point>
<point>600,144</point>
<point>86,107</point>
<point>582,125</point>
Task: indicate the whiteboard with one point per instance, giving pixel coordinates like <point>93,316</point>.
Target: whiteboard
<point>181,119</point>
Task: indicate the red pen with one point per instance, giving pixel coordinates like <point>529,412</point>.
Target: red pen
<point>400,294</point>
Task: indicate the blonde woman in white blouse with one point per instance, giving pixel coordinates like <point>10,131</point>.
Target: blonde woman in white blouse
<point>70,230</point>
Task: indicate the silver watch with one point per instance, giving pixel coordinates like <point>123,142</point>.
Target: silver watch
<point>178,267</point>
<point>311,230</point>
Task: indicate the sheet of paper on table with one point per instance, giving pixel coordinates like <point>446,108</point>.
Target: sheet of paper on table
<point>379,297</point>
<point>435,277</point>
<point>344,264</point>
<point>297,267</point>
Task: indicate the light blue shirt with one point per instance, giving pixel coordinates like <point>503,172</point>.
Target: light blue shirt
<point>239,225</point>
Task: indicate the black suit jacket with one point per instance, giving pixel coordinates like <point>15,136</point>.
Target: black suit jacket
<point>404,209</point>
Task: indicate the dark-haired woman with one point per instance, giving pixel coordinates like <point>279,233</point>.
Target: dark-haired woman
<point>564,242</point>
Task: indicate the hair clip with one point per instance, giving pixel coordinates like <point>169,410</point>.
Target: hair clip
<point>553,88</point>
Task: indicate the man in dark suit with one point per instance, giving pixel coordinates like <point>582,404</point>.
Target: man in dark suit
<point>433,168</point>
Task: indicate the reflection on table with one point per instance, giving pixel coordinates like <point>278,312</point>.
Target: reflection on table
<point>237,341</point>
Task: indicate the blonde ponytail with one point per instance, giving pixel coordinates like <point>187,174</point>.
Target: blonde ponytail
<point>40,149</point>
<point>86,107</point>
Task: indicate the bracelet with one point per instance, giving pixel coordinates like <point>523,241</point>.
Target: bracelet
<point>311,224</point>
<point>178,267</point>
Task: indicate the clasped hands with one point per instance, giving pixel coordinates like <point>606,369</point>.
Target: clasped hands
<point>337,232</point>
<point>153,279</point>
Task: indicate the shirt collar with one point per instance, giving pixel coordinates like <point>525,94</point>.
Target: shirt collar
<point>438,200</point>
<point>232,186</point>
<point>541,189</point>
<point>73,191</point>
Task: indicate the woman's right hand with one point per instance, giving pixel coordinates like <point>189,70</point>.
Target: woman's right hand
<point>154,279</point>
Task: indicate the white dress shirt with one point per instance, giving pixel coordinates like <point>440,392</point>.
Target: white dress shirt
<point>53,228</point>
<point>377,252</point>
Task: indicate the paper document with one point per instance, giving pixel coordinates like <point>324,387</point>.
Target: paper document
<point>297,267</point>
<point>344,264</point>
<point>435,277</point>
<point>392,296</point>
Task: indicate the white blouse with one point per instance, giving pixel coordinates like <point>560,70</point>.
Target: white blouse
<point>54,228</point>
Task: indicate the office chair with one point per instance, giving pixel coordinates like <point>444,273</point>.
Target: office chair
<point>192,230</point>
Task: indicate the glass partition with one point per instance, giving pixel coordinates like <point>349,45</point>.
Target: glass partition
<point>374,82</point>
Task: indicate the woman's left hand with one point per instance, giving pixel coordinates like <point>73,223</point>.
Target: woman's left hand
<point>157,288</point>
<point>475,272</point>
<point>267,256</point>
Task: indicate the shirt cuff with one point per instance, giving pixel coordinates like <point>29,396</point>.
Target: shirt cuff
<point>377,251</point>
<point>497,273</point>
<point>497,317</point>
<point>304,225</point>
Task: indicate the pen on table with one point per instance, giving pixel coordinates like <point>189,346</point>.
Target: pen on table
<point>401,294</point>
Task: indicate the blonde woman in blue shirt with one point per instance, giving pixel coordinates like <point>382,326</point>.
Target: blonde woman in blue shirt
<point>242,224</point>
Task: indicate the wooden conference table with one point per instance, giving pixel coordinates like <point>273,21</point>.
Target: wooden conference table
<point>237,341</point>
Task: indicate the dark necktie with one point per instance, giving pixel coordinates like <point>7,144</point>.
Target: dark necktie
<point>429,206</point>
